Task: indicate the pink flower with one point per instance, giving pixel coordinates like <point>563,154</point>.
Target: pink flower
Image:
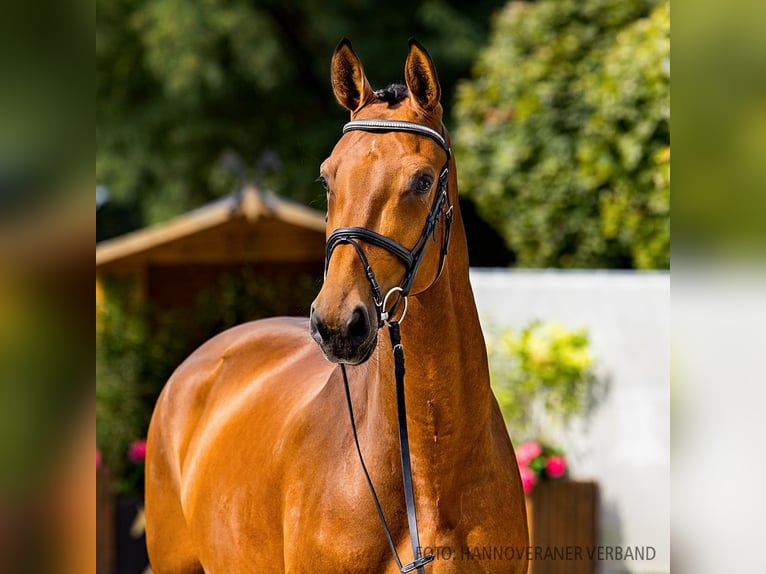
<point>528,478</point>
<point>556,466</point>
<point>137,451</point>
<point>528,451</point>
<point>98,459</point>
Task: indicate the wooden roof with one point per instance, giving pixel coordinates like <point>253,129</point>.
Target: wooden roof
<point>245,227</point>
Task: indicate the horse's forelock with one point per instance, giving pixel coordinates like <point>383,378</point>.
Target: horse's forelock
<point>392,94</point>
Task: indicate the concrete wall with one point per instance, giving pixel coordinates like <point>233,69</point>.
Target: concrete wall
<point>625,445</point>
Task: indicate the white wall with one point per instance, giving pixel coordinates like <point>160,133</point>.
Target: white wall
<point>625,446</point>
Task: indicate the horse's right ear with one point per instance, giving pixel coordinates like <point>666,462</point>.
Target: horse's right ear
<point>351,88</point>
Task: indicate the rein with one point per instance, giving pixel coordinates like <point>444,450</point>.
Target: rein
<point>411,258</point>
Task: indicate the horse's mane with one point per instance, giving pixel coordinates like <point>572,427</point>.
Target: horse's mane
<point>392,94</point>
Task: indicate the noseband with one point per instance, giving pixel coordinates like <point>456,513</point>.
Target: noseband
<point>411,258</point>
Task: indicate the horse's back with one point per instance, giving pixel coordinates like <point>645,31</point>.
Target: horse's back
<point>230,406</point>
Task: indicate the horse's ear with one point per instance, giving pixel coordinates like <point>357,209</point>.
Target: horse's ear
<point>351,88</point>
<point>420,75</point>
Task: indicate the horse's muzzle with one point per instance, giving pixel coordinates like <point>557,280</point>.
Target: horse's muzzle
<point>350,341</point>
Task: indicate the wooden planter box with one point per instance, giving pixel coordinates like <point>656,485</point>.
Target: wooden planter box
<point>562,527</point>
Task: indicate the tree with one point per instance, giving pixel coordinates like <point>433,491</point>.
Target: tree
<point>563,132</point>
<point>181,82</point>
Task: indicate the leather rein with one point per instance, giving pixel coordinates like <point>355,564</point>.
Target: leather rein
<point>411,258</point>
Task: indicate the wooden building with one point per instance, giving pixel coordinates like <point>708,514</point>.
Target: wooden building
<point>170,264</point>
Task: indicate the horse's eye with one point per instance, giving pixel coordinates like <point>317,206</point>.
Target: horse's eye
<point>323,181</point>
<point>423,184</point>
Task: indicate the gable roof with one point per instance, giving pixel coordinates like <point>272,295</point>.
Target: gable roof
<point>248,226</point>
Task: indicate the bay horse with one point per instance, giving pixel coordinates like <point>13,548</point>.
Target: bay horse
<point>251,459</point>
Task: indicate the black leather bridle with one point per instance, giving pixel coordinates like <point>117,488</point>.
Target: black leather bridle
<point>441,206</point>
<point>411,258</point>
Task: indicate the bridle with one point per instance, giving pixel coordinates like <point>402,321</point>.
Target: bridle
<point>441,206</point>
<point>411,258</point>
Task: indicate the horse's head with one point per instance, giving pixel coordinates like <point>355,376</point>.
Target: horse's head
<point>387,199</point>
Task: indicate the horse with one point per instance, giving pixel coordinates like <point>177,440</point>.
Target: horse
<point>252,463</point>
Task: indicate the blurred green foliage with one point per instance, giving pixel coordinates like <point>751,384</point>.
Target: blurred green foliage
<point>124,390</point>
<point>720,125</point>
<point>540,374</point>
<point>563,132</point>
<point>139,346</point>
<point>43,378</point>
<point>46,102</point>
<point>181,82</point>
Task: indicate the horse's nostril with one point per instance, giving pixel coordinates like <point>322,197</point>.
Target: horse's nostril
<point>358,327</point>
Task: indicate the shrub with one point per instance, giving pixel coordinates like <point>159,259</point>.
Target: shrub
<point>563,132</point>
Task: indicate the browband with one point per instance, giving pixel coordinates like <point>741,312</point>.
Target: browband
<point>382,126</point>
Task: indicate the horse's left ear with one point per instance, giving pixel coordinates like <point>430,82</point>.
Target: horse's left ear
<point>420,75</point>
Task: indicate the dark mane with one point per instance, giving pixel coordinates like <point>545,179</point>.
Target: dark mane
<point>392,94</point>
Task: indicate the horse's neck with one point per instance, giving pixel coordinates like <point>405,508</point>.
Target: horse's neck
<point>447,381</point>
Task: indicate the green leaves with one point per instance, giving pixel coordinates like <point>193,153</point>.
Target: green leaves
<point>192,46</point>
<point>182,82</point>
<point>563,133</point>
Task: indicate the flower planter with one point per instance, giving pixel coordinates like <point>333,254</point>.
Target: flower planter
<point>562,527</point>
